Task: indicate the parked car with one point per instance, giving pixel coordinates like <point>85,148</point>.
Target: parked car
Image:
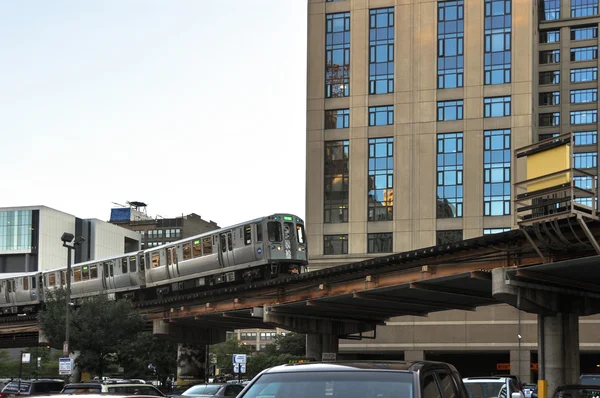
<point>530,390</point>
<point>357,380</point>
<point>32,387</point>
<point>577,391</point>
<point>112,388</point>
<point>213,390</point>
<point>492,387</point>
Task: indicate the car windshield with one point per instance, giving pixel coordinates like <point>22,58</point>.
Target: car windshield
<point>590,379</point>
<point>578,392</point>
<point>204,389</point>
<point>338,384</point>
<point>81,389</point>
<point>14,386</point>
<point>484,389</point>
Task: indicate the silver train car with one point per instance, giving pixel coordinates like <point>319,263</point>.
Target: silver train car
<point>258,249</point>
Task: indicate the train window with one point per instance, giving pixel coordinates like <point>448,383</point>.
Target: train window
<point>85,273</point>
<point>169,256</point>
<point>187,250</point>
<point>206,246</point>
<point>300,233</point>
<point>144,262</point>
<point>93,271</point>
<point>155,259</point>
<point>132,264</point>
<point>229,242</point>
<point>77,274</point>
<point>124,266</point>
<point>1,286</point>
<point>33,282</point>
<point>26,283</point>
<point>247,235</point>
<point>197,248</point>
<point>174,256</point>
<point>110,267</point>
<point>9,287</point>
<point>105,270</point>
<point>274,230</point>
<point>258,232</point>
<point>223,243</point>
<point>288,230</point>
<point>63,277</point>
<point>51,279</point>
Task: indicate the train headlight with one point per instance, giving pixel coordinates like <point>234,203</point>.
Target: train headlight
<point>278,247</point>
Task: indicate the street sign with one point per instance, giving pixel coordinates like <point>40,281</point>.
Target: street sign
<point>26,357</point>
<point>65,366</point>
<point>239,358</point>
<point>236,368</point>
<point>66,349</point>
<point>242,368</point>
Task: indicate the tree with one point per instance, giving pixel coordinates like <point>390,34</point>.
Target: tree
<point>99,328</point>
<point>291,343</point>
<point>224,353</point>
<point>147,350</point>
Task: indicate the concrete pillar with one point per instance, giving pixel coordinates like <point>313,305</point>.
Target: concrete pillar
<point>414,355</point>
<point>191,359</point>
<point>317,344</point>
<point>520,364</point>
<point>561,350</point>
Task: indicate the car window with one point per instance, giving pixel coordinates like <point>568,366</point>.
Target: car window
<point>149,391</point>
<point>483,389</point>
<point>203,389</point>
<point>430,387</point>
<point>447,385</point>
<point>14,386</point>
<point>232,391</point>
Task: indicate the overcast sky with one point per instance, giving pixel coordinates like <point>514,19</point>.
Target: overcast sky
<point>191,106</point>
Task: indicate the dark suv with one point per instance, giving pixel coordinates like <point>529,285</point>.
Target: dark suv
<point>32,387</point>
<point>424,379</point>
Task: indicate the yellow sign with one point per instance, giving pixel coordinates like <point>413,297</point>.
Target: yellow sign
<point>503,366</point>
<point>548,162</point>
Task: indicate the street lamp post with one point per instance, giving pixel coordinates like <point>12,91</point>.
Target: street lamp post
<point>68,238</point>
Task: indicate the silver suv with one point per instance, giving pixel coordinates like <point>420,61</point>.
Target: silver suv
<point>117,388</point>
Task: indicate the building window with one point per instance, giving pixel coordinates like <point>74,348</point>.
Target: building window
<point>496,106</point>
<point>380,243</point>
<point>584,96</point>
<point>550,98</point>
<point>585,137</point>
<point>335,244</point>
<point>336,181</point>
<point>337,119</point>
<point>449,175</point>
<point>583,8</point>
<point>584,117</point>
<point>549,10</point>
<point>16,229</point>
<point>496,172</point>
<point>584,75</point>
<point>585,183</point>
<point>337,49</point>
<point>447,237</point>
<point>584,53</point>
<point>584,33</point>
<point>490,231</point>
<point>549,119</point>
<point>585,160</point>
<point>549,57</point>
<point>380,194</point>
<point>381,51</point>
<point>497,38</point>
<point>449,110</point>
<point>381,115</point>
<point>450,44</point>
<point>549,36</point>
<point>550,77</point>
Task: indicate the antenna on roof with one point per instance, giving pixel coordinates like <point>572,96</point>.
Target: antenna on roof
<point>118,204</point>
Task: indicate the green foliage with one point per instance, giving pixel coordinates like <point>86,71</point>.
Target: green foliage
<point>9,366</point>
<point>146,350</point>
<point>292,344</point>
<point>224,353</point>
<point>99,328</point>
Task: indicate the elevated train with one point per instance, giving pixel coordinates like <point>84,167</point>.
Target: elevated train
<point>263,248</point>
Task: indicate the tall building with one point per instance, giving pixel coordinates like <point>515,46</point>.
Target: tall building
<point>158,231</point>
<point>30,239</point>
<point>413,110</point>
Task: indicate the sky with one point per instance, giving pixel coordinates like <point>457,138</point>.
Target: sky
<point>191,106</point>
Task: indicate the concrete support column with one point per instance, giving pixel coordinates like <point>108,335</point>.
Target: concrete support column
<point>520,364</point>
<point>561,350</point>
<point>317,344</point>
<point>191,359</point>
<point>414,355</point>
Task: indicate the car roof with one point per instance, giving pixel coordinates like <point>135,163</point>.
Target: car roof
<point>486,378</point>
<point>407,366</point>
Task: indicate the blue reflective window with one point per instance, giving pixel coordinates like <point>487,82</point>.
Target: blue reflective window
<point>585,137</point>
<point>489,231</point>
<point>335,244</point>
<point>496,106</point>
<point>550,98</point>
<point>337,119</point>
<point>450,67</point>
<point>584,33</point>
<point>449,110</point>
<point>380,195</point>
<point>583,8</point>
<point>549,119</point>
<point>15,229</point>
<point>585,182</point>
<point>549,36</point>
<point>337,50</point>
<point>337,181</point>
<point>584,96</point>
<point>381,51</point>
<point>497,46</point>
<point>584,117</point>
<point>450,175</point>
<point>550,77</point>
<point>584,53</point>
<point>549,10</point>
<point>585,160</point>
<point>496,172</point>
<point>549,57</point>
<point>381,115</point>
<point>584,75</point>
<point>380,243</point>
